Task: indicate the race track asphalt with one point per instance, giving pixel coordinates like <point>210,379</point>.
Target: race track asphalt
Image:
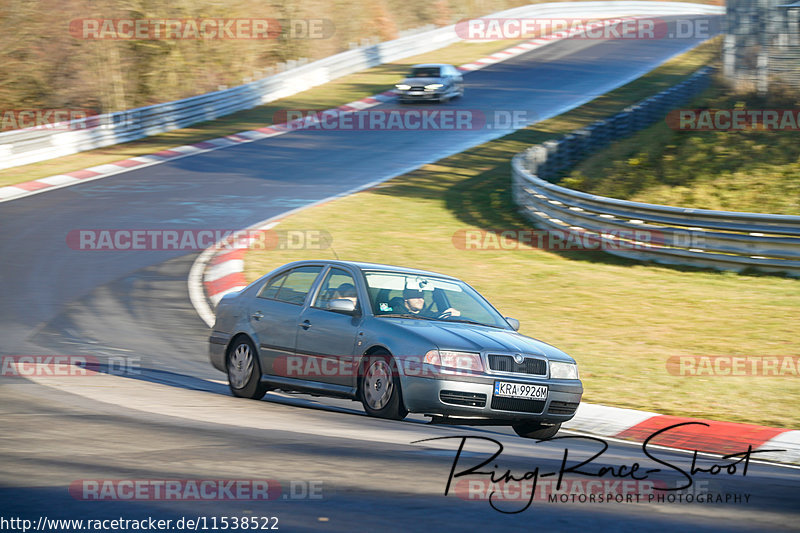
<point>174,419</point>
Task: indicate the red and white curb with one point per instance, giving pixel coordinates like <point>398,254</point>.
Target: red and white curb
<point>707,436</point>
<point>219,270</point>
<point>21,190</point>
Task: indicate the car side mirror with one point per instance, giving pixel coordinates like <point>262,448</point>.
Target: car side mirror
<point>513,322</point>
<point>342,305</point>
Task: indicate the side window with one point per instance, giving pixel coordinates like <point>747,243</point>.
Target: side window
<point>293,286</point>
<point>298,283</point>
<point>337,284</point>
<point>270,289</point>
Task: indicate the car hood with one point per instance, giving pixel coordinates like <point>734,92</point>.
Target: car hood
<point>473,338</point>
<point>421,81</point>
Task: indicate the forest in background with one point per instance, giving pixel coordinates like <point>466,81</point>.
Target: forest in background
<point>44,66</point>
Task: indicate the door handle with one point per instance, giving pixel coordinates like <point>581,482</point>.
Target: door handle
<point>258,315</point>
<point>305,324</point>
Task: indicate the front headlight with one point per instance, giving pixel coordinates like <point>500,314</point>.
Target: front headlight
<point>559,370</point>
<point>463,361</point>
<point>433,86</point>
<point>403,86</point>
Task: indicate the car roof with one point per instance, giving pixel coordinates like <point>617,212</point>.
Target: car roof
<point>371,267</point>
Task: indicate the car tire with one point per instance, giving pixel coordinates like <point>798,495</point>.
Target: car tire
<point>379,387</point>
<point>244,370</point>
<point>535,430</point>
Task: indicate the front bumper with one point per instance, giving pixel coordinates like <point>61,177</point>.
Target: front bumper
<point>407,96</point>
<point>474,397</point>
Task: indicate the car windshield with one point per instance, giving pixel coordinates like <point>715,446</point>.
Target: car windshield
<point>398,294</point>
<point>424,72</point>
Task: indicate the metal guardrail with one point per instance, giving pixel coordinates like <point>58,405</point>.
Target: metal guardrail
<point>22,147</point>
<point>724,240</point>
<point>551,158</point>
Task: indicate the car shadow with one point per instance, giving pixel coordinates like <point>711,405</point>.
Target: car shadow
<point>294,399</point>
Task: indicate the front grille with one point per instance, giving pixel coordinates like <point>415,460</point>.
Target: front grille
<point>506,363</point>
<point>417,88</point>
<point>562,408</point>
<point>471,399</point>
<point>517,404</point>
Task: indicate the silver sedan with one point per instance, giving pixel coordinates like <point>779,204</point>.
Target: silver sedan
<point>436,82</point>
<point>399,340</point>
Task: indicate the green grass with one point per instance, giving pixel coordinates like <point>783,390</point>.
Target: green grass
<point>333,94</point>
<point>747,170</point>
<point>621,320</point>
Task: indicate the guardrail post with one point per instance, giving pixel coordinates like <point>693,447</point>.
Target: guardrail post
<point>581,144</point>
<point>535,156</point>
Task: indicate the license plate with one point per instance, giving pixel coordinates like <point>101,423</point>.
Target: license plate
<point>416,93</point>
<point>520,390</point>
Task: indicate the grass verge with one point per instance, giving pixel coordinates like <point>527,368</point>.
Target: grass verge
<point>737,170</point>
<point>621,320</point>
